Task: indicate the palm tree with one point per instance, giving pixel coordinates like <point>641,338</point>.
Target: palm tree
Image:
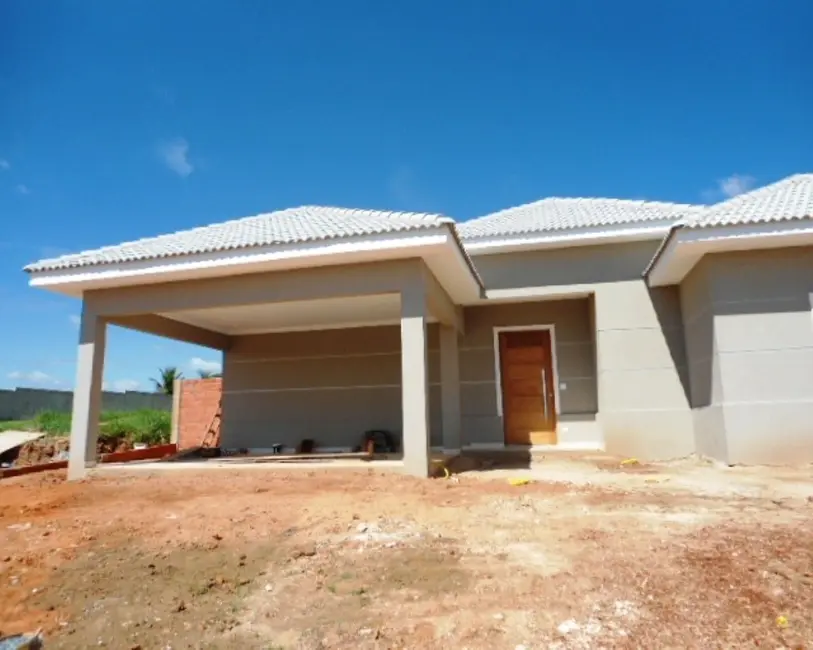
<point>207,374</point>
<point>167,382</point>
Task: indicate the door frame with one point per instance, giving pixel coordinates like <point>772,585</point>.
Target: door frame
<point>551,328</point>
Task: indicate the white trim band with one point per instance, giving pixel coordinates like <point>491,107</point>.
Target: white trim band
<point>566,238</point>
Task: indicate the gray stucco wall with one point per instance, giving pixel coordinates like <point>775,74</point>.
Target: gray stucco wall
<point>575,361</point>
<point>623,379</point>
<point>328,385</point>
<point>332,385</point>
<point>703,362</point>
<point>643,386</point>
<point>761,375</point>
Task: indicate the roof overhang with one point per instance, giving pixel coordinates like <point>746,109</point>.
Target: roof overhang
<point>535,294</point>
<point>683,247</point>
<point>438,247</point>
<point>295,316</point>
<point>568,238</point>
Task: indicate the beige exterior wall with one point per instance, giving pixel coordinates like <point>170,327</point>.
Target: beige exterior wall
<point>575,361</point>
<point>621,364</point>
<point>257,288</point>
<point>722,364</point>
<point>643,403</point>
<point>703,361</point>
<point>762,369</point>
<point>332,385</point>
<point>328,385</point>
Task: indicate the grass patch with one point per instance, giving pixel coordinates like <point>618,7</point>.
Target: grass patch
<point>151,427</point>
<point>146,425</point>
<point>53,423</point>
<point>18,425</point>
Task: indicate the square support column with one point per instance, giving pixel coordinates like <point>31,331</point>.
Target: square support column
<point>87,395</point>
<point>450,388</point>
<point>414,381</point>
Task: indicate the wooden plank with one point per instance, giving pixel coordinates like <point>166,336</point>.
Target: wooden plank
<point>32,469</point>
<point>150,453</point>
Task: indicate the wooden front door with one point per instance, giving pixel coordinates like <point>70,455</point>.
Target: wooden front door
<point>528,390</point>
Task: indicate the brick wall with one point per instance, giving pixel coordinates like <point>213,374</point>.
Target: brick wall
<point>197,403</point>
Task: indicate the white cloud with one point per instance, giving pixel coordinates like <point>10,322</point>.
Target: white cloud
<point>735,184</point>
<point>5,165</point>
<point>75,320</point>
<point>23,189</point>
<point>34,377</point>
<point>175,155</point>
<point>196,363</point>
<point>729,187</point>
<point>122,385</point>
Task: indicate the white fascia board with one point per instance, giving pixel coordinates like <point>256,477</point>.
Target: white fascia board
<point>535,294</point>
<point>568,238</point>
<point>425,243</point>
<point>688,245</point>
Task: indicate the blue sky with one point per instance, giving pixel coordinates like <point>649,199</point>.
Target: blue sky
<point>127,119</point>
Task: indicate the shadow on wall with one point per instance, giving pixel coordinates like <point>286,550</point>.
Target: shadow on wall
<point>666,303</point>
<point>742,302</point>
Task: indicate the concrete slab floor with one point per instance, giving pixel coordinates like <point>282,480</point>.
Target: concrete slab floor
<point>219,464</point>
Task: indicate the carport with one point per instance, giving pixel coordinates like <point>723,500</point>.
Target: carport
<point>341,283</point>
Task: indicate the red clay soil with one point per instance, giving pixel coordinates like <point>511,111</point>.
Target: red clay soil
<point>43,450</point>
<point>304,559</point>
<point>150,453</point>
<point>46,450</point>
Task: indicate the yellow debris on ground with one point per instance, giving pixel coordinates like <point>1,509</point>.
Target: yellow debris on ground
<point>782,621</point>
<point>519,481</point>
<point>629,461</point>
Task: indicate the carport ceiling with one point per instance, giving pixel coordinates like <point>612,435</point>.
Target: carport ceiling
<point>331,313</point>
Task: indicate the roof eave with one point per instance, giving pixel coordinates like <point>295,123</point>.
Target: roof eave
<point>663,247</point>
<point>495,244</point>
<point>423,242</point>
<point>686,245</point>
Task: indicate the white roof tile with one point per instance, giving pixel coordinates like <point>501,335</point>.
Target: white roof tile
<point>291,226</point>
<point>555,214</point>
<point>788,199</point>
<point>791,198</point>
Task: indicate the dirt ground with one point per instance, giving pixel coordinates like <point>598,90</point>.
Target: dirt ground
<point>589,554</point>
<point>46,450</point>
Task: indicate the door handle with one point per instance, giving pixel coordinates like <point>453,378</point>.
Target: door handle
<point>545,393</point>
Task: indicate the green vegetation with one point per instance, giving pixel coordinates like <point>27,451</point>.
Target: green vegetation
<point>166,383</point>
<point>151,427</point>
<point>17,425</point>
<point>148,426</point>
